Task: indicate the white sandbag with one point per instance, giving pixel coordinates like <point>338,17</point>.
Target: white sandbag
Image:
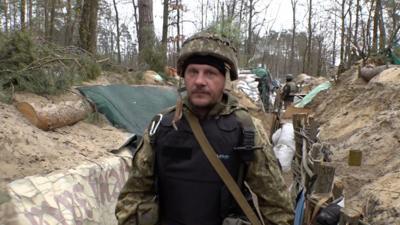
<point>285,156</point>
<point>275,136</point>
<point>285,136</point>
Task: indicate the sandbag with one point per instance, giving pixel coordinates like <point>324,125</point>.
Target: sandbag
<point>285,156</point>
<point>284,145</point>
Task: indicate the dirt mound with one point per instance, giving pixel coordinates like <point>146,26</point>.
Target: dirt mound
<point>355,115</point>
<point>26,150</point>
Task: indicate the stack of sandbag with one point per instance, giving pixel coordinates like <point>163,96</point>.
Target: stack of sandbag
<point>247,83</point>
<point>284,145</point>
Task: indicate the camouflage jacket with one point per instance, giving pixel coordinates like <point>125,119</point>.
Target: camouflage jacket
<point>263,176</point>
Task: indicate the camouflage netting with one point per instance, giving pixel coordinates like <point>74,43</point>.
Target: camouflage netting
<point>39,67</point>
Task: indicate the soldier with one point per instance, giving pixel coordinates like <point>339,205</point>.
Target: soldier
<point>289,90</point>
<point>171,181</point>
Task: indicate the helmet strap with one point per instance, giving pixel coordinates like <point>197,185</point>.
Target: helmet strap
<point>228,81</point>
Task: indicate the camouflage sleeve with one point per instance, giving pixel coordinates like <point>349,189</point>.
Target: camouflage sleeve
<point>139,189</point>
<point>265,180</point>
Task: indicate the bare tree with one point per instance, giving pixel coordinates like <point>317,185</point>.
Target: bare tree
<point>23,11</point>
<point>5,5</point>
<point>135,15</point>
<point>30,10</point>
<point>118,32</point>
<point>292,50</point>
<point>342,33</point>
<point>307,64</point>
<point>68,24</point>
<point>382,32</point>
<point>393,11</point>
<point>375,27</point>
<point>178,22</point>
<point>52,18</point>
<point>164,40</point>
<point>348,54</point>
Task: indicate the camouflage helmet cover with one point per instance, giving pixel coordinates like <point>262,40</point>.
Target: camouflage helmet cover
<point>203,44</point>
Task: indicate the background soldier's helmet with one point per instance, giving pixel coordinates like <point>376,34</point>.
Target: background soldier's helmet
<point>289,77</point>
<point>203,44</point>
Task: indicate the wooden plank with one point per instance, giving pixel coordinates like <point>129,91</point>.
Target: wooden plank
<point>325,175</point>
<point>291,111</point>
<point>349,216</point>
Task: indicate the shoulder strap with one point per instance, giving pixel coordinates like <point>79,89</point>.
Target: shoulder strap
<point>220,168</point>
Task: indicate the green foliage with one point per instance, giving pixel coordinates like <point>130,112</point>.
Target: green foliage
<point>42,68</point>
<point>153,58</point>
<point>228,29</point>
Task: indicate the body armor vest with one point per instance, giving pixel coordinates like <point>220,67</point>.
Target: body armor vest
<point>190,191</point>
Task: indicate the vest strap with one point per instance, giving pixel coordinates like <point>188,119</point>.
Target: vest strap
<point>220,168</point>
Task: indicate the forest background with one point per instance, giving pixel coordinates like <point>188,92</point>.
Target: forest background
<point>51,38</point>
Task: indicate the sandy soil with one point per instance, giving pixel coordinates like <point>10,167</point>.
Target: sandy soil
<point>26,150</point>
<point>366,117</point>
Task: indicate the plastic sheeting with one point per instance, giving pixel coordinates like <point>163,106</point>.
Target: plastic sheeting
<point>130,107</point>
<point>86,194</point>
<point>310,96</point>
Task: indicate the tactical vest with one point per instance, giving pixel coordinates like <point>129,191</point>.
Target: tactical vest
<point>190,191</point>
<point>293,88</point>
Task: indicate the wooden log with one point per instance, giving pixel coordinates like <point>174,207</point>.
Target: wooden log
<point>367,73</point>
<point>54,116</point>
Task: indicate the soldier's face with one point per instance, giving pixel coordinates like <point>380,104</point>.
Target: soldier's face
<point>204,85</point>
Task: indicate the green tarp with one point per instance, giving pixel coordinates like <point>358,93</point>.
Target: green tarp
<point>130,107</point>
<point>310,96</point>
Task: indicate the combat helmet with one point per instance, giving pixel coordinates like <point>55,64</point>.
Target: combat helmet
<point>203,44</point>
<point>289,77</point>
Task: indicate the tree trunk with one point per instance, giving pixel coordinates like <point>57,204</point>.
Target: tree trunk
<point>367,31</point>
<point>118,32</point>
<point>349,37</point>
<point>291,59</point>
<point>68,25</point>
<point>46,18</point>
<point>178,30</point>
<point>375,28</point>
<point>15,12</point>
<point>23,11</point>
<point>146,36</point>
<point>334,43</point>
<point>355,36</point>
<point>6,21</point>
<point>342,30</point>
<point>319,58</point>
<point>55,116</point>
<point>135,15</point>
<point>382,32</point>
<point>88,26</point>
<point>395,24</point>
<point>309,40</point>
<point>249,32</point>
<point>164,40</point>
<point>30,12</point>
<point>52,17</point>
